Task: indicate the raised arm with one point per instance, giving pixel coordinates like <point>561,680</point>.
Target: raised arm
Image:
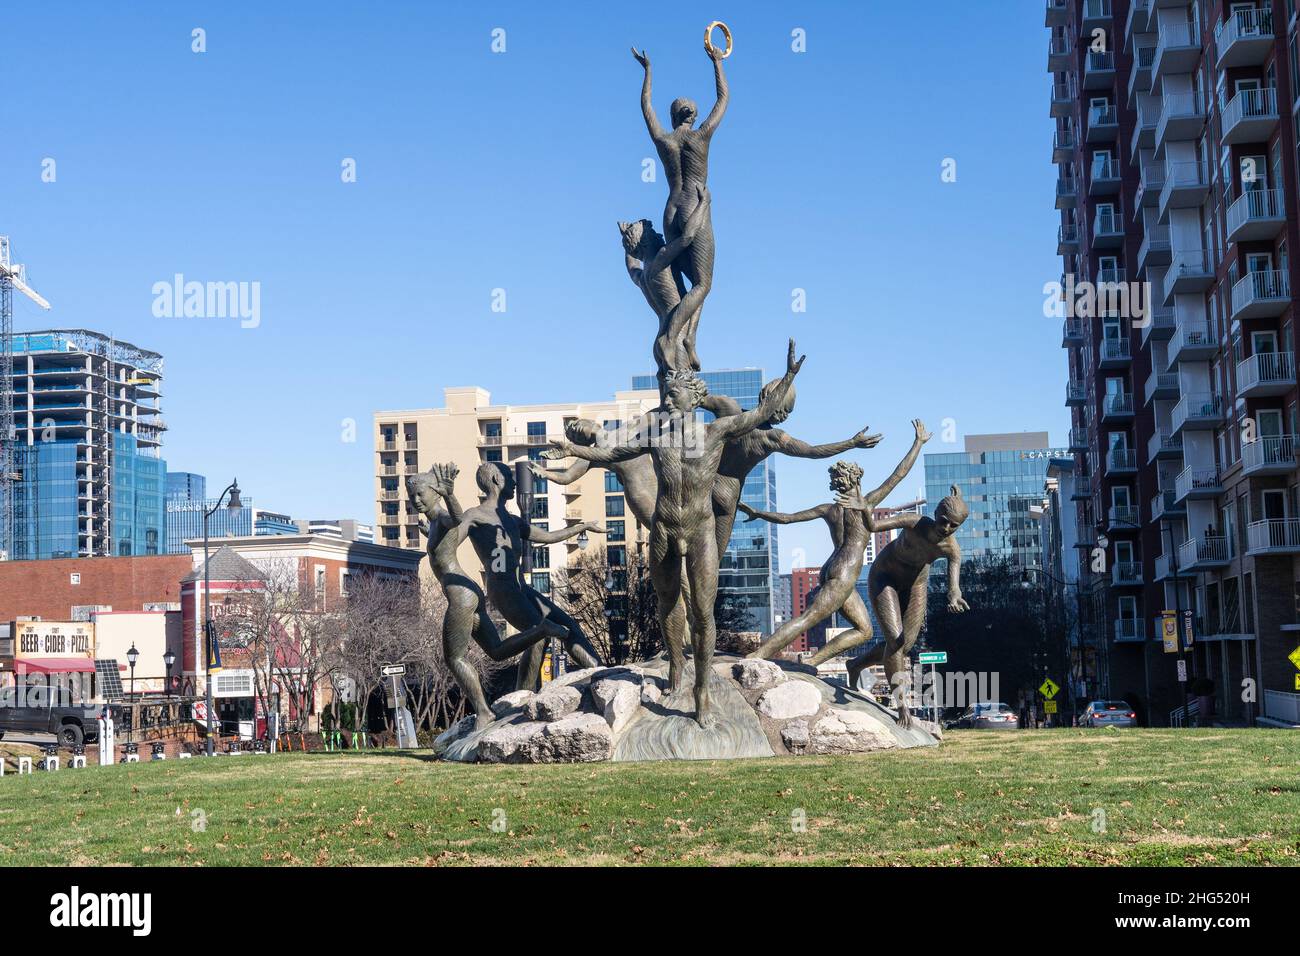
<point>538,536</point>
<point>789,445</point>
<point>909,460</point>
<point>563,448</point>
<point>781,517</point>
<point>566,477</point>
<point>720,82</point>
<point>734,425</point>
<point>720,405</point>
<point>647,107</point>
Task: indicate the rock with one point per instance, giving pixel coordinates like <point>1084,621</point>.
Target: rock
<point>792,698</point>
<point>930,727</point>
<point>580,738</point>
<point>573,678</point>
<point>553,702</point>
<point>650,692</point>
<point>756,674</point>
<point>617,698</point>
<point>795,735</point>
<point>510,743</point>
<point>849,732</point>
<point>453,733</point>
<point>514,700</point>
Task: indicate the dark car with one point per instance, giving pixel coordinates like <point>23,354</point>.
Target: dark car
<point>73,724</point>
<point>988,716</point>
<point>1109,713</point>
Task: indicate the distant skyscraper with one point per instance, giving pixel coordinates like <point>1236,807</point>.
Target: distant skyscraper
<point>186,485</point>
<point>747,569</point>
<point>1001,478</point>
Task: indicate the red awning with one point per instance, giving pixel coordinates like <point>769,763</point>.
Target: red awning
<point>54,665</point>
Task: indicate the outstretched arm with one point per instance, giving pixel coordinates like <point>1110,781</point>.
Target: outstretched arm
<point>789,445</point>
<point>566,477</point>
<point>564,448</point>
<point>538,536</point>
<point>956,603</point>
<point>735,425</point>
<point>781,517</point>
<point>880,494</point>
<point>647,107</point>
<point>720,405</point>
<point>720,106</point>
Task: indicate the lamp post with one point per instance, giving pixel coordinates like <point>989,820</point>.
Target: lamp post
<point>1189,667</point>
<point>131,657</point>
<point>208,633</point>
<point>169,659</point>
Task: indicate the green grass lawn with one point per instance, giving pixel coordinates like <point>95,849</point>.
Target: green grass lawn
<point>1200,797</point>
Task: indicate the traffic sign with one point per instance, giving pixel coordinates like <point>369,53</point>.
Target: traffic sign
<point>1049,707</point>
<point>933,657</point>
<point>1182,672</point>
<point>1294,657</point>
<point>393,670</point>
<point>1048,688</point>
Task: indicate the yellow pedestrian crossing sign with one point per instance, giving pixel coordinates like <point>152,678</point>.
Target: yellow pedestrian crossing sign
<point>1049,707</point>
<point>1294,657</point>
<point>1048,688</point>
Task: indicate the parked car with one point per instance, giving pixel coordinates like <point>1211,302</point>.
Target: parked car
<point>1109,713</point>
<point>988,716</point>
<point>73,725</point>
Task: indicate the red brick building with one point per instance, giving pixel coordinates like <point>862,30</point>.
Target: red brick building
<point>803,581</point>
<point>51,589</point>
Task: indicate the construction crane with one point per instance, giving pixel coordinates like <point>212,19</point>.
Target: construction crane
<point>11,277</point>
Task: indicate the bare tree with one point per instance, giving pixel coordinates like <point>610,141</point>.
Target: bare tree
<point>614,603</point>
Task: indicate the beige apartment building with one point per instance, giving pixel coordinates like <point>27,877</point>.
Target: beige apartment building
<point>469,430</point>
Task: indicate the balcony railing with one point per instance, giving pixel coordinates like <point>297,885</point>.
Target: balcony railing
<point>1203,552</point>
<point>1250,115</point>
<point>1126,573</point>
<point>1256,214</point>
<point>1165,503</point>
<point>1244,39</point>
<point>1199,410</point>
<point>1181,116</point>
<point>1107,229</point>
<point>1164,443</point>
<point>1105,174</point>
<point>1071,332</point>
<point>1076,393</point>
<point>1189,270</point>
<point>1067,239</point>
<point>1191,342</point>
<point>1117,404</point>
<point>1103,115</point>
<point>1078,439</point>
<point>1058,54</point>
<point>1265,373</point>
<point>1272,455</point>
<point>1196,482</point>
<point>1115,351</point>
<point>1261,294</point>
<point>1121,460</point>
<point>1123,516</point>
<point>1185,186</point>
<point>1130,629</point>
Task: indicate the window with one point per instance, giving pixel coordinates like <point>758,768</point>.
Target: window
<point>536,433</point>
<point>74,578</point>
<point>542,557</point>
<point>344,574</point>
<point>320,581</point>
<point>615,531</point>
<point>542,581</point>
<point>612,483</point>
<point>613,507</point>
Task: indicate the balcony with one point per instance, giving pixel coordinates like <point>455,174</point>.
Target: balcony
<point>1078,440</point>
<point>1096,14</point>
<point>1249,117</point>
<point>1182,116</point>
<point>1150,184</point>
<point>1203,553</point>
<point>1139,74</point>
<point>1162,386</point>
<point>1103,124</point>
<point>1123,518</point>
<point>1265,373</point>
<point>1274,455</point>
<point>1121,461</point>
<point>1129,630</point>
<point>1056,16</point>
<point>1199,411</point>
<point>1071,333</point>
<point>1107,230</point>
<point>1082,490</point>
<point>1274,536</point>
<point>1185,187</point>
<point>1126,574</point>
<point>1160,324</point>
<point>1195,483</point>
<point>1114,353</point>
<point>1067,240</point>
<point>1144,130</point>
<point>1058,54</point>
<point>1189,271</point>
<point>1244,39</point>
<point>489,440</point>
<point>1155,249</point>
<point>1256,214</point>
<point>1062,99</point>
<point>1067,192</point>
<point>1139,18</point>
<point>1062,146</point>
<point>1076,393</point>
<point>1191,342</point>
<point>1166,505</point>
<point>1104,179</point>
<point>1164,445</point>
<point>1177,51</point>
<point>1099,70</point>
<point>1118,406</point>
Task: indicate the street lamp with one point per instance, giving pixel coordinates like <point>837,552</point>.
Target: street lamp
<point>169,659</point>
<point>232,510</point>
<point>131,657</point>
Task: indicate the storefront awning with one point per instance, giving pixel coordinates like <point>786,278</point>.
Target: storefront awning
<point>54,665</point>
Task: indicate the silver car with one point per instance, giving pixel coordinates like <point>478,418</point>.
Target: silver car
<point>1109,713</point>
<point>988,716</point>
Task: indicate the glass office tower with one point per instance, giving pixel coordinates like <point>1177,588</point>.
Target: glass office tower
<point>748,567</point>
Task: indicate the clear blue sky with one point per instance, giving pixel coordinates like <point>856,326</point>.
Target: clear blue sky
<point>479,170</point>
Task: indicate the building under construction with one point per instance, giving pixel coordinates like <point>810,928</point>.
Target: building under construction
<point>89,479</point>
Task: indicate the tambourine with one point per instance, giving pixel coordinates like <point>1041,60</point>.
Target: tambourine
<point>708,38</point>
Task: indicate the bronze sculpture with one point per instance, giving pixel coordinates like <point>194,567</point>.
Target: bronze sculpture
<point>466,617</point>
<point>851,529</point>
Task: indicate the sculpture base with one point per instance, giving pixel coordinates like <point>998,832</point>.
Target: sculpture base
<point>761,709</point>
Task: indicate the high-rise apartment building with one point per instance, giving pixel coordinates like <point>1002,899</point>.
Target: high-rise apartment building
<point>90,479</point>
<point>1001,478</point>
<point>747,569</point>
<point>186,485</point>
<point>1176,143</point>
